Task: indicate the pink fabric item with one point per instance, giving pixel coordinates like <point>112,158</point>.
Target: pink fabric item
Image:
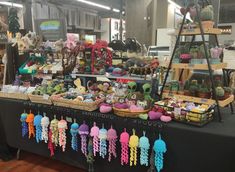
<point>51,146</point>
<point>165,118</point>
<point>112,138</point>
<point>154,115</point>
<point>124,140</point>
<point>62,126</point>
<point>95,133</point>
<point>134,108</point>
<point>105,108</point>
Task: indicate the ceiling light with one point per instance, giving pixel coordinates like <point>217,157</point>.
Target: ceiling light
<point>95,4</point>
<point>11,4</point>
<point>174,4</point>
<point>116,10</point>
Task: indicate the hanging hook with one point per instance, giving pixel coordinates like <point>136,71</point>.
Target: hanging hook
<point>133,131</point>
<point>44,114</point>
<point>74,120</point>
<point>54,116</point>
<point>144,132</point>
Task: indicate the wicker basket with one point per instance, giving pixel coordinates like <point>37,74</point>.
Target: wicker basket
<point>91,106</point>
<point>19,96</point>
<point>40,99</point>
<point>128,113</point>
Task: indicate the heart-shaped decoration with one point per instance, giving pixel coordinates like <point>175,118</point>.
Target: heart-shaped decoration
<point>154,115</point>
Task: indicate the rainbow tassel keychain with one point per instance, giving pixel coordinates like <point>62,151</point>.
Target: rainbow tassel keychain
<point>159,149</point>
<point>29,120</point>
<point>124,140</point>
<point>45,124</point>
<point>37,124</point>
<point>74,133</point>
<point>84,132</point>
<point>144,150</point>
<point>23,118</point>
<point>95,137</point>
<point>62,127</point>
<point>112,139</point>
<point>133,144</point>
<point>53,136</point>
<point>103,141</point>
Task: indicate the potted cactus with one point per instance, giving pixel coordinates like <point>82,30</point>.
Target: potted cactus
<point>227,92</point>
<point>207,17</point>
<point>193,88</point>
<point>186,88</point>
<point>220,93</point>
<point>204,92</point>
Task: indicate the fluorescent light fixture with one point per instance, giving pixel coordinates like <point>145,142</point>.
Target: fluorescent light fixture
<point>94,4</point>
<point>116,10</point>
<point>174,4</point>
<point>11,4</point>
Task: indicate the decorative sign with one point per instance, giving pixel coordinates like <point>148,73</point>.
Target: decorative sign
<point>51,29</point>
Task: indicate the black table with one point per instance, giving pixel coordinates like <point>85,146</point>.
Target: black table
<point>190,149</point>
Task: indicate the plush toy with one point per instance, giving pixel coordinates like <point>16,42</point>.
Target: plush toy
<point>112,139</point>
<point>144,149</point>
<point>103,142</point>
<point>45,123</point>
<point>95,134</point>
<point>29,120</point>
<point>37,124</point>
<point>84,131</point>
<point>159,149</point>
<point>133,144</point>
<point>80,88</point>
<point>74,134</point>
<point>124,140</point>
<point>71,41</point>
<point>23,118</point>
<point>62,126</point>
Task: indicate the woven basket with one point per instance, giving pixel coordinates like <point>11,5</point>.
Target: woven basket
<point>128,113</point>
<point>91,106</point>
<point>19,96</point>
<point>39,99</point>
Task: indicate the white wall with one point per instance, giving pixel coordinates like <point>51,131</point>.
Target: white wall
<point>105,28</point>
<point>223,38</point>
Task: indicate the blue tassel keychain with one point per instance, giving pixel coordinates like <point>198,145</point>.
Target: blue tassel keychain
<point>103,141</point>
<point>74,133</point>
<point>144,150</point>
<point>24,124</point>
<point>37,124</point>
<point>159,149</point>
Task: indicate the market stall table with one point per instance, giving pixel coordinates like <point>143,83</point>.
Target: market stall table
<point>207,149</point>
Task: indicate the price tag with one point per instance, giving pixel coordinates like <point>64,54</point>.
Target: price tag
<point>45,71</point>
<point>46,96</point>
<point>54,71</point>
<point>177,111</point>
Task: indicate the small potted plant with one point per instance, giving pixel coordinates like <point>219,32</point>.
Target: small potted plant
<point>186,88</point>
<point>220,93</point>
<point>193,88</point>
<point>195,56</point>
<point>227,92</point>
<point>204,92</point>
<point>174,87</point>
<point>215,55</point>
<point>207,17</point>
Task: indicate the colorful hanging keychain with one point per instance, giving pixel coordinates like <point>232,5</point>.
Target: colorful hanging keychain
<point>124,140</point>
<point>112,139</point>
<point>29,120</point>
<point>133,144</point>
<point>159,149</point>
<point>55,131</point>
<point>84,132</point>
<point>62,127</point>
<point>45,124</point>
<point>23,118</point>
<point>103,142</point>
<point>95,135</point>
<point>38,127</point>
<point>144,150</point>
<point>74,133</point>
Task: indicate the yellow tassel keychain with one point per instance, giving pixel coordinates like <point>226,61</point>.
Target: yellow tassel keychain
<point>133,144</point>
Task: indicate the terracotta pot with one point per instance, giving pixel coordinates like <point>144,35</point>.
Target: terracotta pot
<point>204,95</point>
<point>186,92</point>
<point>208,24</point>
<point>181,92</point>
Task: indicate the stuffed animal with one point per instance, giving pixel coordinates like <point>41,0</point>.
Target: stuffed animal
<point>71,41</point>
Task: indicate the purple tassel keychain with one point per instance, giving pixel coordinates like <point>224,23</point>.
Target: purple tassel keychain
<point>84,131</point>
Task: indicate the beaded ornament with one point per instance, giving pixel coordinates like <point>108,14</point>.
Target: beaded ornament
<point>23,118</point>
<point>112,139</point>
<point>159,149</point>
<point>45,123</point>
<point>55,131</point>
<point>95,134</point>
<point>29,120</point>
<point>74,133</point>
<point>37,124</point>
<point>144,150</point>
<point>84,132</point>
<point>124,140</point>
<point>133,144</point>
<point>103,142</point>
<point>62,126</point>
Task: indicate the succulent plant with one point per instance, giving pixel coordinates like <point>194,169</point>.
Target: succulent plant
<point>219,91</point>
<point>204,89</point>
<point>228,90</point>
<point>207,13</point>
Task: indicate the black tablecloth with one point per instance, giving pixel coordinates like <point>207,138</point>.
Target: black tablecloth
<point>190,149</point>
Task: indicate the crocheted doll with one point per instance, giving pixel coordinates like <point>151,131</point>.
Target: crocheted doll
<point>84,131</point>
<point>112,139</point>
<point>74,133</point>
<point>144,149</point>
<point>29,120</point>
<point>37,124</point>
<point>62,126</point>
<point>23,118</point>
<point>133,144</point>
<point>124,140</point>
<point>95,134</point>
<point>45,123</point>
<point>103,142</point>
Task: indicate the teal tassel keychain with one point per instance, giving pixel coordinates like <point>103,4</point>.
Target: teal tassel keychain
<point>159,149</point>
<point>103,141</point>
<point>74,133</point>
<point>144,150</point>
<point>37,124</point>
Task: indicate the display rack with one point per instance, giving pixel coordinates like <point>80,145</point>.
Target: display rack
<point>194,32</point>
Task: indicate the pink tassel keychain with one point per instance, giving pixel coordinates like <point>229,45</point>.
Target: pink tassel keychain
<point>62,126</point>
<point>84,132</point>
<point>124,140</point>
<point>112,139</point>
<point>95,134</point>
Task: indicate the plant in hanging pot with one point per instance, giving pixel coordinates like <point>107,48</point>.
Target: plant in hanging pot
<point>220,93</point>
<point>207,17</point>
<point>227,92</point>
<point>186,88</point>
<point>193,88</point>
<point>204,92</point>
<point>215,55</point>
